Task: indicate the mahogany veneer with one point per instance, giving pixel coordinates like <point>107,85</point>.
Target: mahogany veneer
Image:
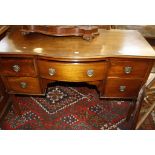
<point>17,67</point>
<point>87,32</point>
<point>21,85</point>
<point>120,87</point>
<point>72,72</point>
<point>117,62</point>
<point>139,68</point>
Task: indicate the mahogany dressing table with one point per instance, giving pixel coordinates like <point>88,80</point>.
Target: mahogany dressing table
<point>117,62</point>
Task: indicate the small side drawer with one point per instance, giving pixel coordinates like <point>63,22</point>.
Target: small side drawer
<point>72,72</point>
<point>17,67</point>
<point>133,69</point>
<point>23,85</point>
<point>118,87</point>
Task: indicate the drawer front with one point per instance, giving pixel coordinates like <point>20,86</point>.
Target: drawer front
<point>72,72</point>
<point>23,85</point>
<point>133,69</point>
<point>17,67</point>
<point>118,87</point>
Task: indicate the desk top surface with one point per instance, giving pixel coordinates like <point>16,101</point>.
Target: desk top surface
<point>3,28</point>
<point>109,43</point>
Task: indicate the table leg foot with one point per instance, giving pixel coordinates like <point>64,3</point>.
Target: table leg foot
<point>16,106</point>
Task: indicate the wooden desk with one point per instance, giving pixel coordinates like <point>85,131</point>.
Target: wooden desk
<point>117,62</point>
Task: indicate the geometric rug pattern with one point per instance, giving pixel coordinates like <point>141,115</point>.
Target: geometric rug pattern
<point>70,107</point>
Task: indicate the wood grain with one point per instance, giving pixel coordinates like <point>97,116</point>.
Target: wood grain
<point>26,67</point>
<point>14,85</point>
<point>109,43</point>
<point>72,72</point>
<point>71,57</point>
<point>87,32</point>
<point>112,87</point>
<point>139,68</point>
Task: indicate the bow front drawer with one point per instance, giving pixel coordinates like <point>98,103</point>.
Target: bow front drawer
<point>17,67</point>
<point>72,72</point>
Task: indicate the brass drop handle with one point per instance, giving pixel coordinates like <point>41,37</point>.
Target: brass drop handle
<point>127,70</point>
<point>23,85</point>
<point>122,88</point>
<point>51,71</point>
<point>16,68</point>
<point>90,72</point>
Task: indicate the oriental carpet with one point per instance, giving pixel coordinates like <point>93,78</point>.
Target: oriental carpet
<point>70,107</point>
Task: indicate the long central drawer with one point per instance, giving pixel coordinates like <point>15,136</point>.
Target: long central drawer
<point>72,72</point>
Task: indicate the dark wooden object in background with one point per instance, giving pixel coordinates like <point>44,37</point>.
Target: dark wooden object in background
<point>87,32</point>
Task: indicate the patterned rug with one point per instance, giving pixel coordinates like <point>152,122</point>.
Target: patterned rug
<point>69,107</point>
